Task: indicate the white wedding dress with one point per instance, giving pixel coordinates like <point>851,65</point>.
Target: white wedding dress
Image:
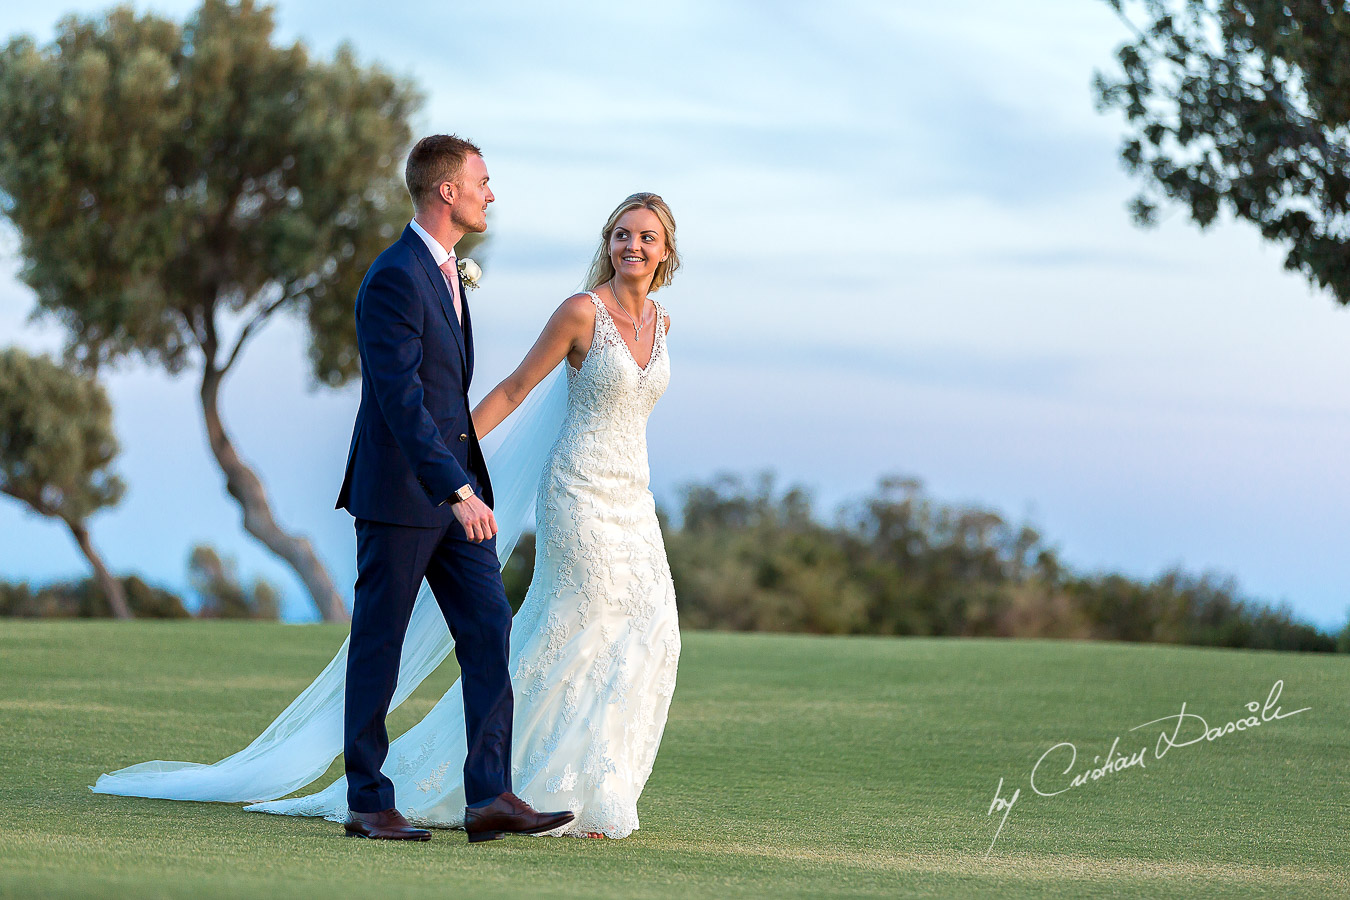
<point>594,647</point>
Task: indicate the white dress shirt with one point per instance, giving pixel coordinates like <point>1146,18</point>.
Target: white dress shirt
<point>438,255</point>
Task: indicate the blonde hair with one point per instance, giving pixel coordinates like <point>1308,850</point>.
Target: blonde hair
<point>602,269</point>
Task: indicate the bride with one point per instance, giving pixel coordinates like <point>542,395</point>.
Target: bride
<point>596,643</point>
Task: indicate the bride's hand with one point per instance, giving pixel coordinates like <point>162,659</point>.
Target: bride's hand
<point>477,519</point>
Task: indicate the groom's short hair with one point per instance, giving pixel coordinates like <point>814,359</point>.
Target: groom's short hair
<point>435,159</point>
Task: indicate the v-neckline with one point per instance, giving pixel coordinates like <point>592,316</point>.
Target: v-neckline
<point>651,357</point>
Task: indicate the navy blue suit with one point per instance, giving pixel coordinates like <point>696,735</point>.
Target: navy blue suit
<point>412,446</point>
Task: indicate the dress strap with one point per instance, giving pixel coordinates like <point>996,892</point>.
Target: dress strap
<point>600,310</point>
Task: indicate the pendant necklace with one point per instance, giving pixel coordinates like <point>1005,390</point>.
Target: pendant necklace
<point>637,329</point>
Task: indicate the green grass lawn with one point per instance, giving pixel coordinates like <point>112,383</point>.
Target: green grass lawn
<point>791,765</point>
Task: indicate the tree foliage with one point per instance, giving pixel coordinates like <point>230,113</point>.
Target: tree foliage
<point>749,557</point>
<point>57,447</point>
<point>161,175</point>
<point>86,599</point>
<point>1244,106</point>
<point>748,560</point>
<point>57,443</point>
<point>221,593</point>
<point>519,571</point>
<point>176,186</point>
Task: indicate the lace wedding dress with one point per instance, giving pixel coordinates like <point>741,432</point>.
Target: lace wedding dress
<point>594,647</point>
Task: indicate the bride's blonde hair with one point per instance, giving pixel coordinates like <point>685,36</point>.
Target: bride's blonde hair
<point>602,269</point>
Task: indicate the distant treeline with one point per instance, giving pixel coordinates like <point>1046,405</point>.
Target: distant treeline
<point>900,562</point>
<point>747,558</point>
<point>85,600</point>
<point>220,595</point>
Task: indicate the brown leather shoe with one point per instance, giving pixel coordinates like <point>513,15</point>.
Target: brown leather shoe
<point>508,814</point>
<point>387,825</point>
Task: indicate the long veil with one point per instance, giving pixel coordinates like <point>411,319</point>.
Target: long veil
<point>303,741</point>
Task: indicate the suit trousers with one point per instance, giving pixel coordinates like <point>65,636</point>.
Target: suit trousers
<point>464,576</point>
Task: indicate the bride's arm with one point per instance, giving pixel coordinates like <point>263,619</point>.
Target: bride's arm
<point>571,326</point>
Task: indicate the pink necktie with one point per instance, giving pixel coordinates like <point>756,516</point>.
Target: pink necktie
<point>452,275</point>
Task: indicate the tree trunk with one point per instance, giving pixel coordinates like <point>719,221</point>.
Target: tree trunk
<point>245,487</point>
<point>112,588</point>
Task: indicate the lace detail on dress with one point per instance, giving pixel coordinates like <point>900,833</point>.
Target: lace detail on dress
<point>601,571</point>
<point>607,333</point>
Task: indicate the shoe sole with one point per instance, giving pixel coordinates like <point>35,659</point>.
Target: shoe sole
<point>411,837</point>
<point>477,836</point>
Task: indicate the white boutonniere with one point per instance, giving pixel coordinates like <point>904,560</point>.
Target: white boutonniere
<point>470,272</point>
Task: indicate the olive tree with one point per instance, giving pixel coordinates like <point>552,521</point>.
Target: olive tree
<point>176,187</point>
<point>56,449</point>
<point>1242,106</point>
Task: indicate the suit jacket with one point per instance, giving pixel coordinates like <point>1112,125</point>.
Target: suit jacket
<point>413,443</point>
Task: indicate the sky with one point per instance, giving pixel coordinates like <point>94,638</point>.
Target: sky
<point>906,249</point>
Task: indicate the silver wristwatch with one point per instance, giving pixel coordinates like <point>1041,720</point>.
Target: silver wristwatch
<point>463,493</point>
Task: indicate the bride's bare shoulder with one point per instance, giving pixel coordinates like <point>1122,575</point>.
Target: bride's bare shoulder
<point>578,303</point>
<point>574,319</point>
<point>577,309</point>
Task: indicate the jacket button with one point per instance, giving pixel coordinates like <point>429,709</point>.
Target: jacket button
<point>463,437</point>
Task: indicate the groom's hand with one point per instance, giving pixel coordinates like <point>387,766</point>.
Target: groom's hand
<point>478,521</point>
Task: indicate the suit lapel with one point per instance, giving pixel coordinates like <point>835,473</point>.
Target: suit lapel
<point>468,331</point>
<point>433,272</point>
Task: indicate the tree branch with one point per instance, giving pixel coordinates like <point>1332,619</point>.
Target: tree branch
<point>209,342</point>
<point>1271,88</point>
<point>33,500</point>
<point>261,317</point>
<point>1119,9</point>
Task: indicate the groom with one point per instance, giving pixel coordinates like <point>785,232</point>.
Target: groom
<point>418,487</point>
